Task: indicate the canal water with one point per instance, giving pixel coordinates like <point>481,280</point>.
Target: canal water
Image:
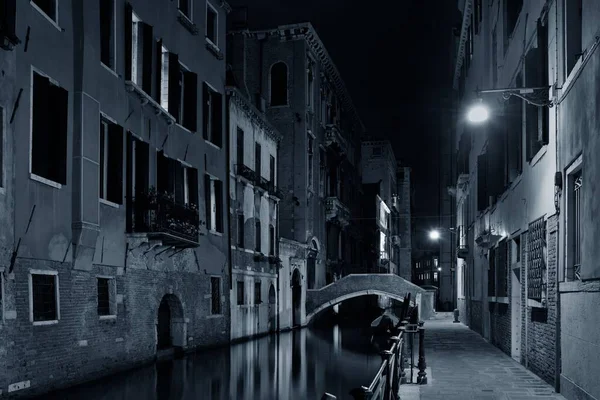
<point>297,365</point>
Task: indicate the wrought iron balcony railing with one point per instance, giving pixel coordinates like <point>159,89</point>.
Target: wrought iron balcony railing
<point>262,183</point>
<point>275,191</point>
<point>161,217</point>
<point>336,211</point>
<point>334,138</point>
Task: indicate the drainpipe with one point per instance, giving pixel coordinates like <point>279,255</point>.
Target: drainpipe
<point>228,186</point>
<point>558,350</point>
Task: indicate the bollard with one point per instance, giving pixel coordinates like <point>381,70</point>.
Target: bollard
<point>456,315</point>
<point>422,375</point>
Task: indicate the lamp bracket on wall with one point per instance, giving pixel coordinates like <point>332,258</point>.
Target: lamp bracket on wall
<point>536,96</point>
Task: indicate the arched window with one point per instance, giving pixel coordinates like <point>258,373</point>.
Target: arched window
<point>279,90</point>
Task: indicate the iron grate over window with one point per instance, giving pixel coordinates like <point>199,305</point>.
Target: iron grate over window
<point>536,243</point>
<point>44,297</point>
<point>103,296</point>
<point>577,227</point>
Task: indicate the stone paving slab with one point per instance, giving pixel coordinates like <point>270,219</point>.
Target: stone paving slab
<point>463,366</point>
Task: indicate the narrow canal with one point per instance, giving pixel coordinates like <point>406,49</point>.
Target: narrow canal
<point>301,364</point>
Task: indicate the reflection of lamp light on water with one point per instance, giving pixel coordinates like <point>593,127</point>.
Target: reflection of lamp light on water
<point>337,338</point>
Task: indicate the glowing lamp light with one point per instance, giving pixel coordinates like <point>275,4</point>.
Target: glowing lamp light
<point>434,235</point>
<point>478,113</point>
<point>439,268</point>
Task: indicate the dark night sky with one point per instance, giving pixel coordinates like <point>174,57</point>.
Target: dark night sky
<point>394,57</point>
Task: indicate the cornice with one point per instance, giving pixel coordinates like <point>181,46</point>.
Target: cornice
<point>305,31</point>
<point>225,6</point>
<point>253,113</point>
<point>460,56</point>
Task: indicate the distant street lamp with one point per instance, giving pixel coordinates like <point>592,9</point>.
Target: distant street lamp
<point>440,269</point>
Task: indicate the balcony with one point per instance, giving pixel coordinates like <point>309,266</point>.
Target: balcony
<point>245,172</point>
<point>261,183</point>
<point>275,191</point>
<point>161,218</point>
<point>146,99</point>
<point>334,139</point>
<point>462,251</point>
<point>395,240</point>
<point>336,211</point>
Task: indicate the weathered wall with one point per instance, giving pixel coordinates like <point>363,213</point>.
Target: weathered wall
<point>292,255</point>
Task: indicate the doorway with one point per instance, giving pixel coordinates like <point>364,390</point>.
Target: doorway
<point>170,326</point>
<point>272,309</point>
<point>296,298</point>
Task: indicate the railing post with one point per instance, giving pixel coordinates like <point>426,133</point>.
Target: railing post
<point>361,393</point>
<point>397,363</point>
<point>386,356</point>
<point>402,353</point>
<point>422,375</point>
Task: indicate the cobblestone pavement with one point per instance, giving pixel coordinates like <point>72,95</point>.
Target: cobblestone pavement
<point>463,366</point>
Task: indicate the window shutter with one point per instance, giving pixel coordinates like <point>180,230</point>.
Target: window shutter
<point>542,44</point>
<point>178,183</point>
<point>190,100</point>
<point>147,57</point>
<point>115,164</point>
<point>482,196</point>
<point>159,68</point>
<point>162,173</point>
<point>257,235</point>
<point>174,89</point>
<point>219,205</point>
<point>192,176</point>
<point>8,12</point>
<point>128,40</point>
<point>40,157</point>
<point>59,112</point>
<point>501,268</point>
<point>217,119</point>
<point>206,92</point>
<point>207,202</point>
<point>514,128</point>
<point>492,273</point>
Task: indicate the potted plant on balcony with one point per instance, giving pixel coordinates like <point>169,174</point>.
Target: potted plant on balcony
<point>260,257</point>
<point>274,260</point>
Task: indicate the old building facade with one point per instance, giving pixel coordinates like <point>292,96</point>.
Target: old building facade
<point>289,74</point>
<point>404,206</point>
<point>114,183</point>
<point>254,214</point>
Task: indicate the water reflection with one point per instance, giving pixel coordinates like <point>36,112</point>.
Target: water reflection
<point>294,365</point>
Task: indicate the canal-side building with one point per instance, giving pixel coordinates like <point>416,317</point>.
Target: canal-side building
<point>287,72</point>
<point>403,205</point>
<point>113,205</point>
<point>381,219</point>
<point>506,194</point>
<point>254,202</point>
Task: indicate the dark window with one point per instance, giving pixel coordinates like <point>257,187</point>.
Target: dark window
<point>478,14</point>
<point>2,133</point>
<point>492,273</point>
<point>107,33</point>
<point>8,13</point>
<point>257,293</point>
<point>45,306</point>
<point>512,9</point>
<point>257,235</point>
<point>514,125</point>
<point>177,180</point>
<point>279,84</point>
<point>49,130</point>
<point>240,147</point>
<point>185,6</point>
<point>137,170</point>
<point>214,203</point>
<point>272,170</point>
<point>257,160</point>
<point>215,291</point>
<point>482,189</point>
<point>310,152</point>
<point>240,293</point>
<point>139,49</point>
<point>211,24</point>
<point>111,162</point>
<point>240,231</point>
<point>104,296</point>
<point>212,115</point>
<point>574,33</point>
<point>48,7</point>
<point>272,241</point>
<point>494,57</point>
<point>177,89</point>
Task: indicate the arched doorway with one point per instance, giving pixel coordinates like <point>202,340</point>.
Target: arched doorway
<point>272,309</point>
<point>170,326</point>
<point>296,298</point>
<point>311,265</point>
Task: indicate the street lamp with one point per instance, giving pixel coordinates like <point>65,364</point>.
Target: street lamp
<point>537,96</point>
<point>434,234</point>
<point>440,269</point>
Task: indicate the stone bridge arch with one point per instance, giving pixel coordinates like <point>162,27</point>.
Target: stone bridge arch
<point>356,285</point>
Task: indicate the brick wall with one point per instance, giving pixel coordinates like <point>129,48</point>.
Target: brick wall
<point>501,322</point>
<point>541,336</point>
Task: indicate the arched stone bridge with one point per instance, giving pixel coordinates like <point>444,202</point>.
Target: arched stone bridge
<point>356,285</point>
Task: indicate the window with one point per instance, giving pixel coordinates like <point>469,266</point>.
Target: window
<point>107,33</point>
<point>257,235</point>
<point>513,112</point>
<point>43,288</point>
<point>516,250</point>
<point>240,147</point>
<point>272,241</point>
<point>111,162</point>
<point>185,7</point>
<point>574,191</point>
<point>310,151</point>
<point>240,293</point>
<point>176,179</point>
<point>8,15</point>
<point>48,7</point>
<point>215,292</point>
<point>272,168</point>
<point>214,204</point>
<point>212,24</point>
<point>512,9</point>
<point>49,130</point>
<point>310,90</point>
<point>178,89</point>
<point>574,32</point>
<point>257,160</point>
<point>279,84</point>
<point>494,56</point>
<point>139,46</point>
<point>478,14</point>
<point>241,219</point>
<point>322,171</point>
<point>212,112</point>
<point>106,297</point>
<point>257,293</point>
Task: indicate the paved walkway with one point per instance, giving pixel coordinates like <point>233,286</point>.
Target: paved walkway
<point>463,366</point>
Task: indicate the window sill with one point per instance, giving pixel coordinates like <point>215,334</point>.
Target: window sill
<point>212,144</point>
<point>579,286</point>
<point>187,23</point>
<point>214,49</point>
<point>215,233</point>
<point>45,181</point>
<point>534,303</point>
<point>42,323</point>
<point>107,317</point>
<point>215,316</point>
<point>541,152</point>
<point>183,128</point>
<point>145,98</point>
<point>109,69</point>
<point>109,203</point>
<point>53,22</point>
